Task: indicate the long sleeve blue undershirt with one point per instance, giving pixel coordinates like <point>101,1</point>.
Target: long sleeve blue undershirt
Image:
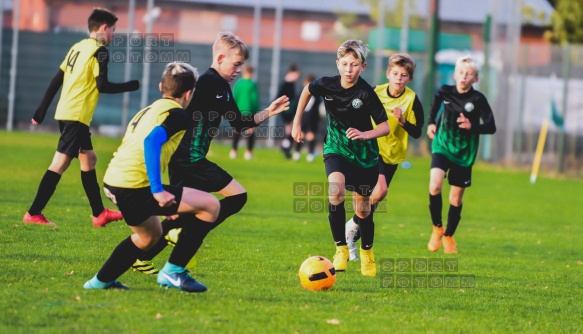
<point>152,150</point>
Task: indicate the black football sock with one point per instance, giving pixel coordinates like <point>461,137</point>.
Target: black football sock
<point>312,146</point>
<point>45,191</point>
<point>91,186</point>
<point>286,146</point>
<point>251,142</point>
<point>167,225</point>
<point>435,205</point>
<point>299,147</point>
<point>356,219</point>
<point>194,230</point>
<point>366,231</point>
<point>337,219</point>
<point>191,237</point>
<point>453,219</point>
<point>120,260</point>
<point>236,137</point>
<point>229,206</point>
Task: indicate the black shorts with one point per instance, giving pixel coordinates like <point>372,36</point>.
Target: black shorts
<point>202,175</point>
<point>75,137</point>
<point>288,117</point>
<point>137,205</point>
<point>388,170</point>
<point>458,176</point>
<point>310,121</point>
<point>357,179</point>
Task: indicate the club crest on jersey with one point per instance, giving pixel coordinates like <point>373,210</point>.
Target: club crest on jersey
<point>356,103</point>
<point>469,107</point>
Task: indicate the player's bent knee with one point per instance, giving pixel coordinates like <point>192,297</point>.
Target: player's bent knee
<point>147,241</point>
<point>336,199</point>
<point>210,210</point>
<point>434,189</point>
<point>215,209</point>
<point>88,158</point>
<point>455,200</point>
<point>59,167</point>
<point>380,196</point>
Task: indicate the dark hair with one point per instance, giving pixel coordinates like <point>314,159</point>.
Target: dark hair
<point>293,67</point>
<point>248,68</point>
<point>310,77</point>
<point>178,78</point>
<point>99,17</point>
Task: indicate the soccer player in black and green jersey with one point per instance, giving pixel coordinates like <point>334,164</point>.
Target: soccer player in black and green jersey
<point>212,100</point>
<point>405,114</point>
<point>455,146</point>
<point>351,151</point>
<point>83,75</point>
<point>133,181</point>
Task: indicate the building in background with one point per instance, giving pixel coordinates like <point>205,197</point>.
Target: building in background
<point>309,25</point>
<point>311,32</point>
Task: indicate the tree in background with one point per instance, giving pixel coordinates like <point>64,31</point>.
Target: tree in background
<point>566,21</point>
<point>348,24</point>
<point>394,13</point>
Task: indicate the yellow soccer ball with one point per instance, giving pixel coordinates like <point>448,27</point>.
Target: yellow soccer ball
<point>317,273</point>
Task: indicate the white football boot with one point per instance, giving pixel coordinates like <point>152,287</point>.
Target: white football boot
<point>351,230</point>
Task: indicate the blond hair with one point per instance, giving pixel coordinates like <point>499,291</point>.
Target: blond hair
<point>228,40</point>
<point>468,60</point>
<point>178,78</point>
<point>355,47</point>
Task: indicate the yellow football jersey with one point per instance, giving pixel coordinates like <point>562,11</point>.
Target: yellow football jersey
<point>393,147</point>
<point>79,93</point>
<point>127,168</point>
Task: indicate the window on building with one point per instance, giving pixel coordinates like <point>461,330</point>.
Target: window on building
<point>229,23</point>
<point>311,31</point>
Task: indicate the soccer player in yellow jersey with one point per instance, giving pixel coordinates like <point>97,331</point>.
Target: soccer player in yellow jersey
<point>133,181</point>
<point>83,76</point>
<point>406,119</point>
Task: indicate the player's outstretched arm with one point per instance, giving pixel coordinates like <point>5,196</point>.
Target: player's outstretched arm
<point>382,129</point>
<point>280,105</point>
<point>102,81</point>
<point>52,90</point>
<point>297,134</point>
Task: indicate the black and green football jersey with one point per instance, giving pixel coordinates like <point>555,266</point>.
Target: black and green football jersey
<point>460,145</point>
<point>350,108</point>
<point>212,100</point>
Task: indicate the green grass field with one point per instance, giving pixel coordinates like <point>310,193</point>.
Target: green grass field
<point>519,267</point>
